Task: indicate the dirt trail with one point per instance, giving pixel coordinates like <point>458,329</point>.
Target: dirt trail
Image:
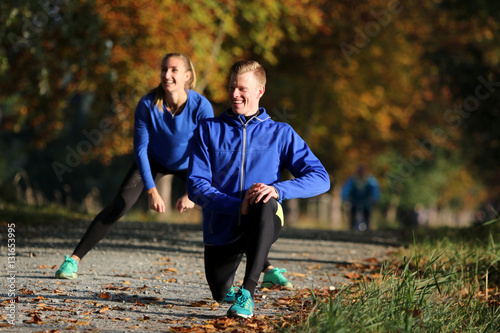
<point>150,276</point>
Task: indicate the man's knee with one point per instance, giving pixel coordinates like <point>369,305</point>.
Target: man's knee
<point>269,206</point>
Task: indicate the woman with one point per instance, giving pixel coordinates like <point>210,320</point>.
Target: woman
<point>165,119</point>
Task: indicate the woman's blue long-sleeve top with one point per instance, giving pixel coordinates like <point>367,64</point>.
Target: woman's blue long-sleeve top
<point>164,138</point>
<point>229,155</point>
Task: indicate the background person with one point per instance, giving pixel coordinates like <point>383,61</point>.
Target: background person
<point>362,191</point>
<point>165,119</point>
<point>235,176</point>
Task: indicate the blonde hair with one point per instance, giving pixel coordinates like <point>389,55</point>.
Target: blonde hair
<point>244,66</point>
<point>159,99</point>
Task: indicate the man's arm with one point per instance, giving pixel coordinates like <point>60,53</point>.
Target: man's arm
<point>311,178</point>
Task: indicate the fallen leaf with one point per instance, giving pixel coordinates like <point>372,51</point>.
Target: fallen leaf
<point>353,276</point>
<point>139,303</point>
<point>199,304</point>
<point>35,319</point>
<point>59,292</point>
<point>87,313</point>
<point>103,309</point>
<point>152,299</point>
<point>120,288</point>
<point>26,291</point>
<point>374,260</point>
<point>298,275</point>
<point>105,295</point>
<point>73,321</point>
<point>37,299</point>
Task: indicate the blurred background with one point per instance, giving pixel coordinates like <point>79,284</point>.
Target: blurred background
<point>409,89</point>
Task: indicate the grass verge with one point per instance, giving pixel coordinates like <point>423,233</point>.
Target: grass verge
<point>446,280</point>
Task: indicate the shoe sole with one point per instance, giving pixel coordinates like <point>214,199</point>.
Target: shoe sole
<point>66,277</point>
<point>234,314</point>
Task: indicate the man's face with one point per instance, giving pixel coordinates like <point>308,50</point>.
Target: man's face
<point>245,93</point>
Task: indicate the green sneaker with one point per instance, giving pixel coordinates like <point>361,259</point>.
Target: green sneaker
<point>230,295</point>
<point>243,305</point>
<point>274,278</point>
<point>68,269</point>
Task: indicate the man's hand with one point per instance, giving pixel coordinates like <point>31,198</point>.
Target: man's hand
<point>155,201</point>
<point>184,203</point>
<point>255,194</point>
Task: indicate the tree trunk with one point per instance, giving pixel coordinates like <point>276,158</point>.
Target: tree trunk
<point>291,212</point>
<point>336,209</point>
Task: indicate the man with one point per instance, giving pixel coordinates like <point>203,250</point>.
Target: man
<point>361,191</point>
<point>235,176</point>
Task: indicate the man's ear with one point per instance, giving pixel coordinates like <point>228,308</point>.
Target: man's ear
<point>262,90</point>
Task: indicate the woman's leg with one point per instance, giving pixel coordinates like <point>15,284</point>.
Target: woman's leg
<point>128,194</point>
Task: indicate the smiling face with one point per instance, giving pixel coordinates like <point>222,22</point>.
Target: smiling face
<point>245,93</point>
<point>174,74</point>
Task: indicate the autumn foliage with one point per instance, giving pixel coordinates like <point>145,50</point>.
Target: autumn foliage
<point>381,82</point>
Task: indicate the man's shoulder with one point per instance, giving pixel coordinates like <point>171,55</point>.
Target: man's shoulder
<point>280,127</point>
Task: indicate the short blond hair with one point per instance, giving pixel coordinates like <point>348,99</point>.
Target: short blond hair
<point>245,66</point>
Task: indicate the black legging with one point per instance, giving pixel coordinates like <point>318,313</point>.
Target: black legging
<point>366,212</point>
<point>128,194</point>
<point>261,228</point>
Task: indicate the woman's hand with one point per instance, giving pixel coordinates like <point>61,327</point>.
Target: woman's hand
<point>184,203</point>
<point>155,201</point>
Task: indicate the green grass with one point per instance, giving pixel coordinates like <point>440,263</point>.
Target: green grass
<point>446,280</point>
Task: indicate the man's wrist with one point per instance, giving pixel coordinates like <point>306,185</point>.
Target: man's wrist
<point>277,193</point>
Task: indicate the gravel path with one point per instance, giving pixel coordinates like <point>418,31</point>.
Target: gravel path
<point>150,276</point>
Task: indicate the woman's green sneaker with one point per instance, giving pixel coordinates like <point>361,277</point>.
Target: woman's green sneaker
<point>68,269</point>
<point>274,278</point>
